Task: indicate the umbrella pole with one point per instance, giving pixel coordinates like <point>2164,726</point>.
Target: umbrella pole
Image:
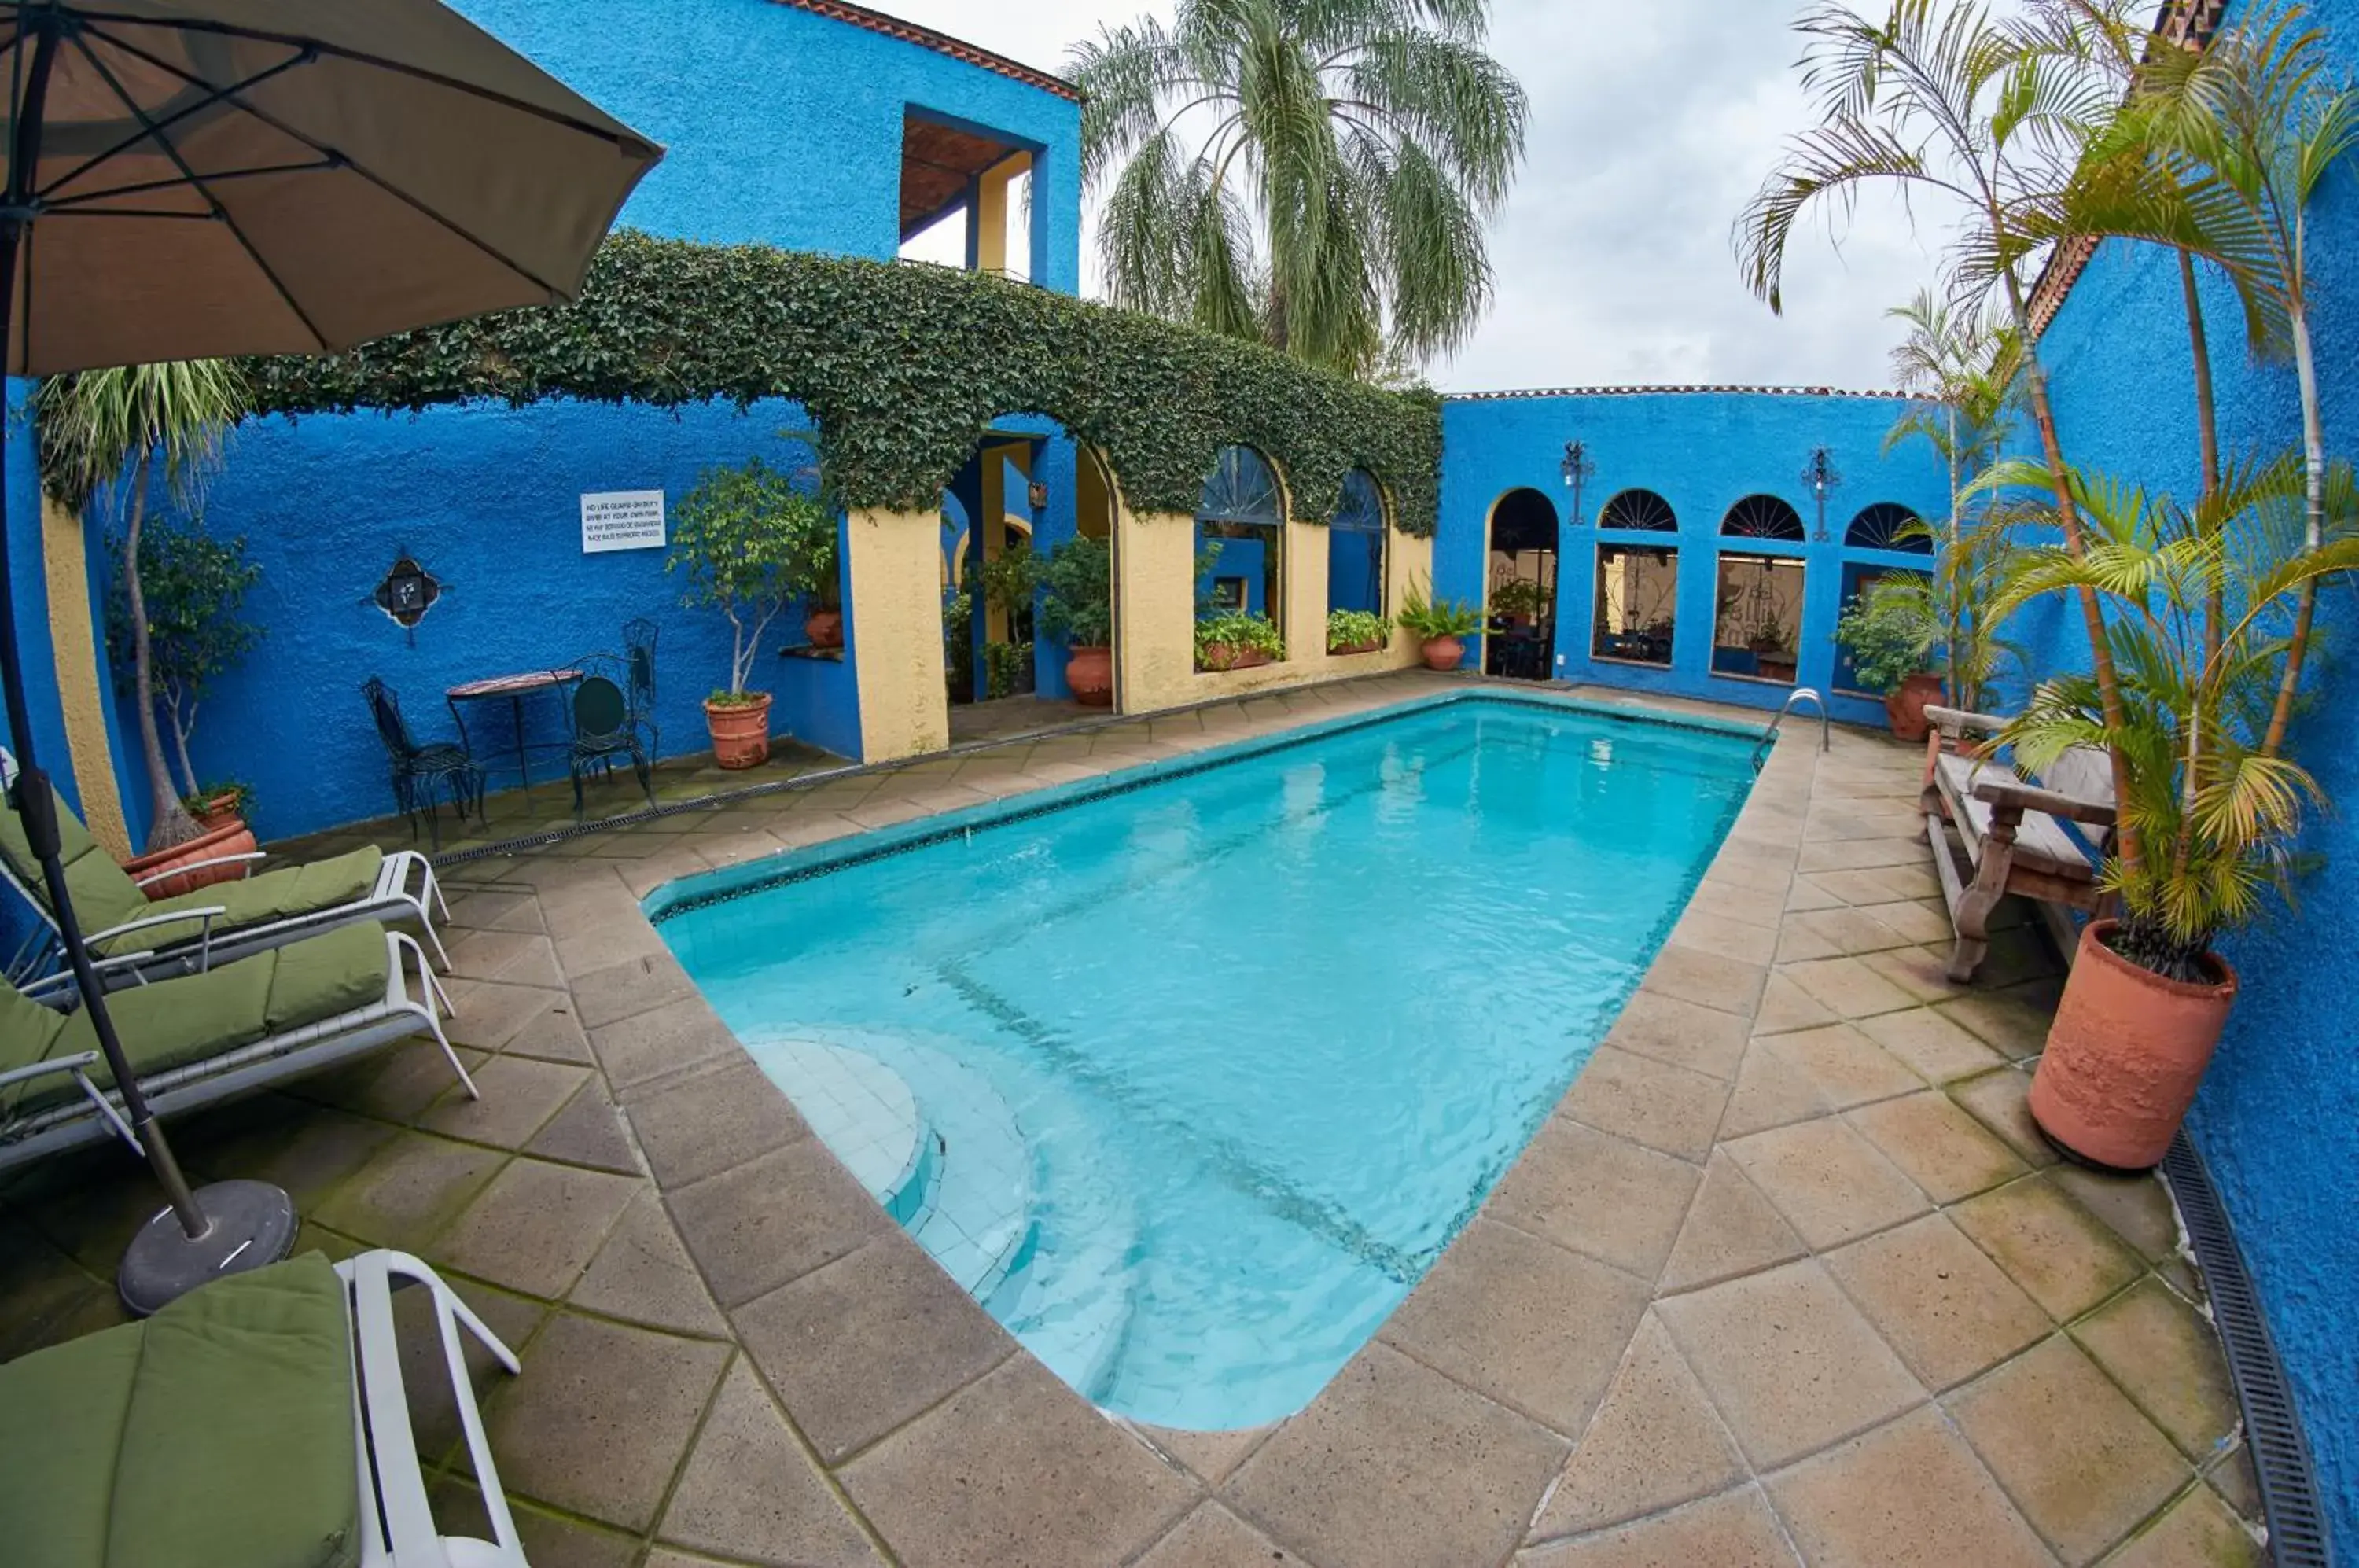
<point>231,1227</point>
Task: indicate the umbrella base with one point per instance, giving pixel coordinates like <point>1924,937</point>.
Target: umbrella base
<point>251,1225</point>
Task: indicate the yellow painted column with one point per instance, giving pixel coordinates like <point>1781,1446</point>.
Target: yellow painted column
<point>1155,608</point>
<point>894,567</point>
<point>990,216</point>
<point>74,640</point>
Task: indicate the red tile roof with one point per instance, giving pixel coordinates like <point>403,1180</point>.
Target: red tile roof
<point>1640,391</point>
<point>941,43</point>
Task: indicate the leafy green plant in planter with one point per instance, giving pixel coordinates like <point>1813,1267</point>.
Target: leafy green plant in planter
<point>1357,631</point>
<point>1006,669</point>
<point>1441,625</point>
<point>1516,596</point>
<point>193,585</point>
<point>1076,606</point>
<point>224,800</point>
<point>1237,640</point>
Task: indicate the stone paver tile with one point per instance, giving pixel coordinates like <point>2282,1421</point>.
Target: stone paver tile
<point>1731,1229</point>
<point>1936,1048</point>
<point>598,1420</point>
<point>492,1015</point>
<point>714,1122</point>
<point>2000,1101</point>
<point>2050,1245</point>
<point>1707,979</point>
<point>588,1131</point>
<point>1843,1064</point>
<point>1925,921</point>
<point>521,958</point>
<point>2197,1531</point>
<point>1767,879</point>
<point>1016,1469</point>
<point>1771,1091</point>
<point>1800,940</point>
<point>425,1372</point>
<point>413,1188</point>
<point>2077,1457</point>
<point>862,1344</point>
<point>1848,931</point>
<point>305,1149</point>
<point>1684,1034</point>
<point>641,983</point>
<point>394,1087</point>
<point>1735,904</point>
<point>1597,1194</point>
<point>750,1491</point>
<point>774,1219</point>
<point>2233,1479</point>
<point>1908,1495</point>
<point>1920,971</point>
<point>1655,1442</point>
<point>1212,1537</point>
<point>2167,1358</point>
<point>1829,1182</point>
<point>1394,1465</point>
<point>491,910</point>
<point>537,1226</point>
<point>518,1096</point>
<point>548,1540</point>
<point>644,1274</point>
<point>1735,1530</point>
<point>1864,853</point>
<point>1790,1364</point>
<point>1847,986</point>
<point>1807,895</point>
<point>1665,1107</point>
<point>1740,941</point>
<point>650,1045</point>
<point>2138,1208</point>
<point>2007,1023</point>
<point>1531,1325</point>
<point>1212,1455</point>
<point>1947,1309</point>
<point>553,1035</point>
<point>1938,1146</point>
<point>1786,1006</point>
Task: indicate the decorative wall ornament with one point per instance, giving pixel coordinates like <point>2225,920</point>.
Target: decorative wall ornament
<point>1640,511</point>
<point>1579,468</point>
<point>1763,517</point>
<point>1885,526</point>
<point>407,592</point>
<point>1821,476</point>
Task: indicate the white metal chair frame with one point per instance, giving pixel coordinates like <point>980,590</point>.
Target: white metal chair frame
<point>403,1012</point>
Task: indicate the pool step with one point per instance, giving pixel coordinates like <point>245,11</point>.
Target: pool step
<point>865,1112</point>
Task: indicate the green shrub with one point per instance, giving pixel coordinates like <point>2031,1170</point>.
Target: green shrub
<point>1239,631</point>
<point>1354,628</point>
<point>1078,604</point>
<point>751,540</point>
<point>1427,618</point>
<point>1889,634</point>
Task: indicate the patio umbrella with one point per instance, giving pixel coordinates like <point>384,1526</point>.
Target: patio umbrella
<point>187,179</point>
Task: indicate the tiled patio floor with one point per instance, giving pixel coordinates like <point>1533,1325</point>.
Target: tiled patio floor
<point>1787,1275</point>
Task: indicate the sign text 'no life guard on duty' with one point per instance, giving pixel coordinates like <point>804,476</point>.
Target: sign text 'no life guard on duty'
<point>622,519</point>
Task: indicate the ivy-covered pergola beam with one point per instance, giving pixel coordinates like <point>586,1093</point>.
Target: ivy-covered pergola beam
<point>904,367</point>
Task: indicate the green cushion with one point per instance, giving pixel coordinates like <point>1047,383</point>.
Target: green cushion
<point>216,1434</point>
<point>323,976</point>
<point>103,895</point>
<point>272,896</point>
<point>26,1030</point>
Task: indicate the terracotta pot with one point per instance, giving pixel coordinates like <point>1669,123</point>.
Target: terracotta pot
<point>740,732</point>
<point>232,837</point>
<point>2124,1055</point>
<point>1904,705</point>
<point>823,628</point>
<point>1220,656</point>
<point>217,810</point>
<point>1089,675</point>
<point>1251,658</point>
<point>1443,652</point>
<point>1776,669</point>
<point>1352,647</point>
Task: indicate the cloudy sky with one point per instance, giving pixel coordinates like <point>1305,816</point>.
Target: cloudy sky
<point>1651,124</point>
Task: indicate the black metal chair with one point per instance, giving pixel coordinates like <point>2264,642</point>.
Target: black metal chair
<point>421,772</point>
<point>639,653</point>
<point>604,727</point>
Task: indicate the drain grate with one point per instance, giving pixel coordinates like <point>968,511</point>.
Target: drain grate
<point>2281,1453</point>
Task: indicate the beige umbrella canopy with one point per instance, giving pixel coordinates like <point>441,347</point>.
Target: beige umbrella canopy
<point>192,179</point>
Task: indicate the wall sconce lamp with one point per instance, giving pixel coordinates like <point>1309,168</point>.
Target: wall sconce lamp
<point>1823,479</point>
<point>1037,494</point>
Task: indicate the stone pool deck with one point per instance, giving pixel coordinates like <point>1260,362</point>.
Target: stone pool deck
<point>1786,1277</point>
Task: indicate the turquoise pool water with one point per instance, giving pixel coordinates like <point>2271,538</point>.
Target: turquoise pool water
<point>1202,1075</point>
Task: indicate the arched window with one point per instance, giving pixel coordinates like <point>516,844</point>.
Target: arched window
<point>1240,547</point>
<point>1762,517</point>
<point>1356,548</point>
<point>1887,525</point>
<point>1639,509</point>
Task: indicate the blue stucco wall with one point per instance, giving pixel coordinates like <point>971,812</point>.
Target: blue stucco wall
<point>1701,451</point>
<point>2278,1118</point>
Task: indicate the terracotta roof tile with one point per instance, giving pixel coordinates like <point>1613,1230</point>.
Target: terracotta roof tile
<point>1640,391</point>
<point>941,43</point>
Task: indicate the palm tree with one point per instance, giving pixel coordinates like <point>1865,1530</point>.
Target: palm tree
<point>1312,174</point>
<point>1990,114</point>
<point>101,428</point>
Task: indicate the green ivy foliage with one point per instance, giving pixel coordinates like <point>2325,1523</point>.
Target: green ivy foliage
<point>903,367</point>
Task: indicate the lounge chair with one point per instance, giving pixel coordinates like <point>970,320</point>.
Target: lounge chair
<point>236,1429</point>
<point>139,939</point>
<point>2019,836</point>
<point>202,1037</point>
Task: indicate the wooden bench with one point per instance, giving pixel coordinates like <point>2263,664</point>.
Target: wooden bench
<point>2014,834</point>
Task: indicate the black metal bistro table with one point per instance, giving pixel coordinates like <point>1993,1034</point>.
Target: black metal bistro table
<point>515,689</point>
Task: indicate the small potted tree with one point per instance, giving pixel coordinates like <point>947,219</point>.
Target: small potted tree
<point>750,540</point>
<point>1517,600</point>
<point>1890,636</point>
<point>1077,604</point>
<point>193,586</point>
<point>1355,631</point>
<point>1441,626</point>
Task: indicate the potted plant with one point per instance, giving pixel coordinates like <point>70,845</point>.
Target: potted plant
<point>1441,626</point>
<point>107,432</point>
<point>216,806</point>
<point>1077,604</point>
<point>1237,640</point>
<point>750,542</point>
<point>1517,600</point>
<point>1889,635</point>
<point>1355,631</point>
<point>2197,610</point>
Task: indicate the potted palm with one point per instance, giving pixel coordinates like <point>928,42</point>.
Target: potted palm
<point>1441,626</point>
<point>2197,604</point>
<point>751,540</point>
<point>1889,635</point>
<point>1355,631</point>
<point>1077,604</point>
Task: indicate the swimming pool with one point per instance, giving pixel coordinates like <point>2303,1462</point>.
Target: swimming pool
<point>1189,1073</point>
